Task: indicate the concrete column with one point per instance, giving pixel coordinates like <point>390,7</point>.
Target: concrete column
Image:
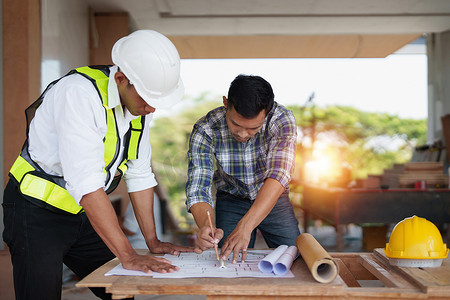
<point>21,69</point>
<point>21,37</point>
<point>438,51</point>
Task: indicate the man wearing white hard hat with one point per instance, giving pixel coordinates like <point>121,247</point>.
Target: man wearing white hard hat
<point>86,131</point>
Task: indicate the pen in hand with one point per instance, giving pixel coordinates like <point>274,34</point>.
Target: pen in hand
<point>213,234</point>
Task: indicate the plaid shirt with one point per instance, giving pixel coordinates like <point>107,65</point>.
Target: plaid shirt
<point>241,168</point>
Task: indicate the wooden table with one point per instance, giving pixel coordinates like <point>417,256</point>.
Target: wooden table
<point>404,283</point>
<point>339,206</point>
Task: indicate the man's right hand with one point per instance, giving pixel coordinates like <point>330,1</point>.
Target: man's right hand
<point>205,238</point>
<point>149,264</point>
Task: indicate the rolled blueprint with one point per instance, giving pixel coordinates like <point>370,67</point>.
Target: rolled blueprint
<point>279,261</point>
<point>267,263</point>
<point>285,261</point>
<point>322,267</point>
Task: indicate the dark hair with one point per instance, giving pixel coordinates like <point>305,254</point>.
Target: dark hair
<point>249,94</point>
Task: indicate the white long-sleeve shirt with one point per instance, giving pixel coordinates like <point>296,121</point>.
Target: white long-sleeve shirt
<point>66,137</point>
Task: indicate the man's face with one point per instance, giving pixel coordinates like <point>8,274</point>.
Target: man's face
<point>130,98</point>
<point>242,128</point>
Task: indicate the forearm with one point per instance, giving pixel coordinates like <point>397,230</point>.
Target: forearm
<point>103,218</point>
<point>143,209</point>
<point>199,212</point>
<point>266,199</point>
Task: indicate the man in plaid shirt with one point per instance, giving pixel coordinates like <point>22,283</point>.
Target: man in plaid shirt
<point>247,149</point>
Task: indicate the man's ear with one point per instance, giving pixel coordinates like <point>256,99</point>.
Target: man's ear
<point>225,101</point>
<point>119,77</point>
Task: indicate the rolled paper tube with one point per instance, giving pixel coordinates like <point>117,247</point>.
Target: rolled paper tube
<point>284,263</point>
<point>266,264</point>
<point>322,267</point>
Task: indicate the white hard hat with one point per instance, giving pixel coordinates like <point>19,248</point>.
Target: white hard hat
<point>152,63</point>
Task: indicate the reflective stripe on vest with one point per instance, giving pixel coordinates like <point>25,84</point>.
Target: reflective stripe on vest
<point>42,189</point>
<point>26,172</point>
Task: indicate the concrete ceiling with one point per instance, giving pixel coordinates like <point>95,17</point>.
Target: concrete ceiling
<point>309,28</point>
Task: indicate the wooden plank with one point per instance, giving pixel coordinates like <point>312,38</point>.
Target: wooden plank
<point>281,287</point>
<point>427,171</point>
<point>433,281</point>
<point>346,275</point>
<point>353,265</point>
<point>422,176</point>
<point>383,293</point>
<point>385,273</point>
<point>426,165</point>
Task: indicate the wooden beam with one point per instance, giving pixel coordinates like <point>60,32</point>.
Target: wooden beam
<point>105,30</point>
<point>291,46</point>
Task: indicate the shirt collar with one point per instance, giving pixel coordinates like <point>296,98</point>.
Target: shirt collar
<point>114,98</point>
<point>113,92</point>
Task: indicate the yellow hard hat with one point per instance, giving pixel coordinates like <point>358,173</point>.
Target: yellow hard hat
<point>416,238</point>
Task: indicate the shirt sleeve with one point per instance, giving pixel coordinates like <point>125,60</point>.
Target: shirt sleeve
<point>80,127</point>
<point>200,168</point>
<point>281,154</point>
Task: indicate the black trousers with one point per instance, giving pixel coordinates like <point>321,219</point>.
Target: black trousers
<point>40,241</point>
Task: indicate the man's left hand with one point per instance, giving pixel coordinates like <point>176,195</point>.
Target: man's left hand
<point>158,247</point>
<point>237,241</point>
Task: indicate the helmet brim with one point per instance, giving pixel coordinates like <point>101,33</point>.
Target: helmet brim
<point>163,102</point>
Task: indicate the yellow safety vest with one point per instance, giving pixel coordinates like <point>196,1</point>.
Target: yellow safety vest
<point>50,190</point>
